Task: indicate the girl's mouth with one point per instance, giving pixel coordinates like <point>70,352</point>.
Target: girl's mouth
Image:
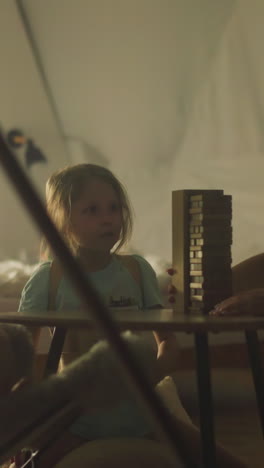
<point>107,234</point>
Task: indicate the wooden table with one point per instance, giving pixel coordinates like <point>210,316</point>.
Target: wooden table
<point>163,320</point>
<point>146,319</point>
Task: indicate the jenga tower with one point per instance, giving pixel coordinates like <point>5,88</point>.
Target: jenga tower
<point>202,238</point>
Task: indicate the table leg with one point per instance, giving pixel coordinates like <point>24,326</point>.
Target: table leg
<point>205,400</point>
<point>256,364</point>
<point>55,351</point>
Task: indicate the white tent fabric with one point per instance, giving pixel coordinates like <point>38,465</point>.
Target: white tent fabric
<point>169,92</point>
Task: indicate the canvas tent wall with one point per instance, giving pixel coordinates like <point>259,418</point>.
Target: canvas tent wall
<point>169,93</point>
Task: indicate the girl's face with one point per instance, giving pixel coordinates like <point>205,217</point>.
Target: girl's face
<point>96,217</point>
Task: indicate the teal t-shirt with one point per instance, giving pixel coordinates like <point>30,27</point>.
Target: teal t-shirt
<point>117,288</point>
<point>115,284</point>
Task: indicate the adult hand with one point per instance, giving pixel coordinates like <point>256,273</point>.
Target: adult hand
<point>249,302</point>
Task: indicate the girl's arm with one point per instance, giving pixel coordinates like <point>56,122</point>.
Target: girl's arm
<point>38,366</point>
<point>35,297</point>
<point>35,335</point>
<point>168,350</point>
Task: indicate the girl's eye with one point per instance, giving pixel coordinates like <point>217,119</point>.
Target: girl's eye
<point>115,207</point>
<point>93,209</point>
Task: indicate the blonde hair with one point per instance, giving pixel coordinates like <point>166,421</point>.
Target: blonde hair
<point>65,187</point>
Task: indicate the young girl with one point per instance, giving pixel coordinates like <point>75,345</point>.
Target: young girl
<point>92,213</point>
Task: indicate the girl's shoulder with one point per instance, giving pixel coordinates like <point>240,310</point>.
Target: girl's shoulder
<point>42,270</point>
<point>39,277</point>
<point>137,266</point>
<point>145,276</point>
<point>132,265</point>
<point>35,292</point>
<point>141,262</point>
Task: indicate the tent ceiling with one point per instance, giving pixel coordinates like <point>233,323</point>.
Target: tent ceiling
<point>167,93</point>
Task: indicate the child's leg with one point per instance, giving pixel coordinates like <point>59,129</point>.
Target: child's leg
<point>167,390</point>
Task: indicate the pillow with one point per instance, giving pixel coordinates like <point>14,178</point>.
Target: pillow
<point>8,304</point>
<point>13,277</point>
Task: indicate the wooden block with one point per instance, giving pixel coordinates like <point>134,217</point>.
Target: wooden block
<point>197,279</point>
<point>209,232</point>
<point>211,222</point>
<point>211,253</point>
<point>207,284</point>
<point>196,266</point>
<point>209,210</point>
<point>206,195</point>
<point>223,202</point>
<point>195,260</point>
<point>210,217</point>
<point>217,241</point>
<point>180,247</point>
<point>196,273</point>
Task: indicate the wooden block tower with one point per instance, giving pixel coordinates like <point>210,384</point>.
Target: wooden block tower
<point>202,238</point>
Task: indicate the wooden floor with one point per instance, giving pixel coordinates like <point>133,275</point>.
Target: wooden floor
<point>236,419</point>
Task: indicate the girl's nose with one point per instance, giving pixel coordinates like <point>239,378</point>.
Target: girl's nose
<point>107,217</point>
